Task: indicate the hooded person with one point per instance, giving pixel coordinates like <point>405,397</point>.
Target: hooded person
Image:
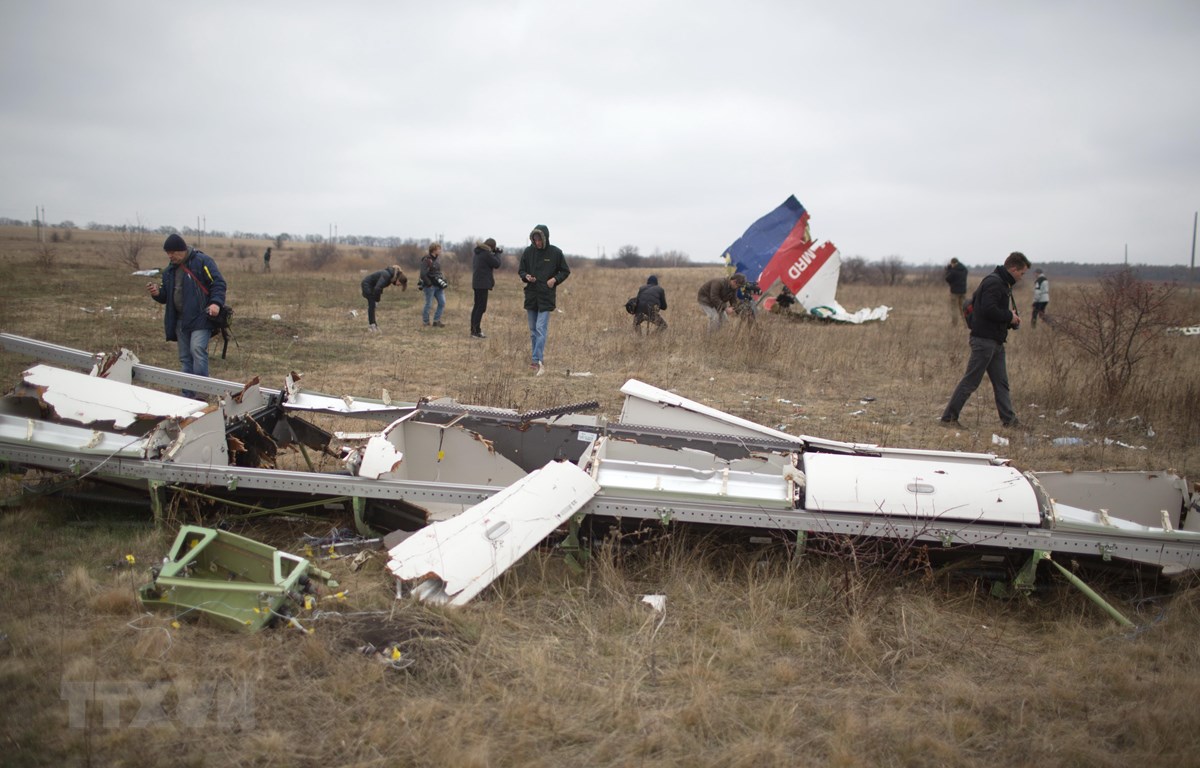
<point>651,298</point>
<point>193,291</point>
<point>542,268</point>
<point>372,290</point>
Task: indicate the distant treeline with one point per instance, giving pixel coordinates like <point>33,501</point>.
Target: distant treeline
<point>890,270</point>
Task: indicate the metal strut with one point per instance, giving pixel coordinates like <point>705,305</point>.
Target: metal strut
<point>1022,584</point>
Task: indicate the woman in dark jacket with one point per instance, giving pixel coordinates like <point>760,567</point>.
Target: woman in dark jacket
<point>372,290</point>
<point>484,264</point>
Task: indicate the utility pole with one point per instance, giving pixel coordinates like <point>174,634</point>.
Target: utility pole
<point>1192,269</point>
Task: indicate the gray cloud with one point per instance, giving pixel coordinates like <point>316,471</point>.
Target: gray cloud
<point>927,130</point>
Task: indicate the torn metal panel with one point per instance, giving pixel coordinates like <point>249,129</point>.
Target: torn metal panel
<point>237,582</point>
<point>625,466</point>
<point>90,400</point>
<point>296,398</point>
<point>16,430</point>
<point>249,400</point>
<point>1139,497</point>
<point>199,440</point>
<point>453,561</point>
<point>649,405</point>
<point>412,450</point>
<point>116,367</point>
<point>927,489</point>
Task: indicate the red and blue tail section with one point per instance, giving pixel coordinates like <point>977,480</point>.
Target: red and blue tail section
<point>779,247</point>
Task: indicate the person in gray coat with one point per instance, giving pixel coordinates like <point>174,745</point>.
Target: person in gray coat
<point>372,290</point>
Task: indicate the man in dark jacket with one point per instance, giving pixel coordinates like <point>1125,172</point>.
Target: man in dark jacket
<point>372,290</point>
<point>193,291</point>
<point>956,276</point>
<point>542,268</point>
<point>650,299</point>
<point>483,266</point>
<point>993,315</point>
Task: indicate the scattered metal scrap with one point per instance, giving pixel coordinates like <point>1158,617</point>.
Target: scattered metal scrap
<point>667,459</point>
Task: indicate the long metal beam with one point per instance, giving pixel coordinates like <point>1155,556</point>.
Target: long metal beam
<point>1158,551</point>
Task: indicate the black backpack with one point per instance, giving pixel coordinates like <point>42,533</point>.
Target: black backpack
<point>631,305</point>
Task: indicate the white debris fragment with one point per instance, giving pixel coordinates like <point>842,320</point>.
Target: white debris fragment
<point>997,440</point>
<point>657,602</point>
<point>276,317</point>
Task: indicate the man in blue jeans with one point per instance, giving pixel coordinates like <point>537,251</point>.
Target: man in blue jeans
<point>193,291</point>
<point>993,315</point>
<point>542,268</point>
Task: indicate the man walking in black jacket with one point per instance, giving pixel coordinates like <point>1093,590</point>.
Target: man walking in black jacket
<point>993,315</point>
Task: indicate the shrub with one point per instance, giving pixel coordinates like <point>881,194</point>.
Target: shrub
<point>1117,325</point>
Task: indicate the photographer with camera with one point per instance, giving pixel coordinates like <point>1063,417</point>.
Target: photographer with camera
<point>994,314</point>
<point>483,266</point>
<point>434,285</point>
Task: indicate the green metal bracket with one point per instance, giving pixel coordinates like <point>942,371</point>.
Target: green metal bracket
<point>573,553</point>
<point>801,544</point>
<point>157,495</point>
<point>1022,583</point>
<point>359,503</point>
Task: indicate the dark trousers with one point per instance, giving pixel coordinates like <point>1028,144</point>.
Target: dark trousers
<point>371,310</point>
<point>987,356</point>
<point>1039,310</point>
<point>481,298</point>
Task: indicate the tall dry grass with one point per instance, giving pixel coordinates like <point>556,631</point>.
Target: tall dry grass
<point>764,656</point>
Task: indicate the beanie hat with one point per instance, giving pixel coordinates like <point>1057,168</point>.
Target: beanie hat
<point>739,278</point>
<point>652,280</point>
<point>174,243</point>
<point>490,243</point>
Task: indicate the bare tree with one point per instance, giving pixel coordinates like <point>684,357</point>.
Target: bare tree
<point>1117,324</point>
<point>131,240</point>
<point>854,269</point>
<point>891,270</point>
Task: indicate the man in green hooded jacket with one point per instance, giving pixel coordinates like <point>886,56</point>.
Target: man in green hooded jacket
<point>542,268</point>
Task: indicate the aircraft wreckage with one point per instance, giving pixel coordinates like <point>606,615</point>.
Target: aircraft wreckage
<point>471,489</point>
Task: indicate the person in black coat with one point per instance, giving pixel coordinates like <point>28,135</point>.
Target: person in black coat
<point>956,276</point>
<point>483,266</point>
<point>372,290</point>
<point>993,315</point>
<point>651,298</point>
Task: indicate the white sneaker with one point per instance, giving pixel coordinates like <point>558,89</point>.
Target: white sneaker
<point>372,328</point>
<point>540,370</point>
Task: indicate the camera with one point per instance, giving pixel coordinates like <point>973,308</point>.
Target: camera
<point>499,250</point>
<point>441,283</point>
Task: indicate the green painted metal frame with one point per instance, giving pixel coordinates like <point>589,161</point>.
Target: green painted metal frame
<point>236,582</point>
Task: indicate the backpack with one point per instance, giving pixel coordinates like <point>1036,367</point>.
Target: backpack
<point>631,305</point>
<point>968,307</point>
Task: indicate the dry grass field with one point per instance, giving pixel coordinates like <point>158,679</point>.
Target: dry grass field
<point>761,657</point>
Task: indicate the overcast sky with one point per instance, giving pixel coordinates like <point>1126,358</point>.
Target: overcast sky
<point>925,129</point>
